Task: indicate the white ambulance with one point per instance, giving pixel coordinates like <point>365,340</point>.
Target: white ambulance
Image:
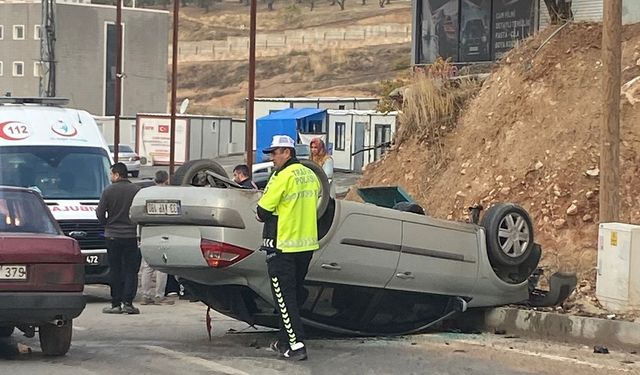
<point>62,154</point>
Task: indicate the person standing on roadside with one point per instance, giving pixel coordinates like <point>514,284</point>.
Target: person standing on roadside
<point>148,295</point>
<point>123,252</point>
<point>241,177</point>
<point>289,237</point>
<point>320,156</point>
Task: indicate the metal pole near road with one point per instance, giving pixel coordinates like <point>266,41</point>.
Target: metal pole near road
<point>174,87</point>
<point>610,131</point>
<point>118,93</point>
<point>252,87</point>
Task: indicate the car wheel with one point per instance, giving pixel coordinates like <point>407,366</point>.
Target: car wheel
<point>6,331</point>
<point>325,188</point>
<point>135,173</point>
<point>54,340</point>
<point>509,234</point>
<point>193,172</point>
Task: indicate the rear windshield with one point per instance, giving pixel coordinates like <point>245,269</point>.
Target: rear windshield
<point>24,212</point>
<point>56,172</point>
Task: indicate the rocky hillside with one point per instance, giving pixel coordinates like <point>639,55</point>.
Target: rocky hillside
<point>531,136</point>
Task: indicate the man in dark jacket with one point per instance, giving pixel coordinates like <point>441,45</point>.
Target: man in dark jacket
<point>241,176</point>
<point>122,242</point>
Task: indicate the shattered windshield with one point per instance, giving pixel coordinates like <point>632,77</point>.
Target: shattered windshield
<point>58,172</point>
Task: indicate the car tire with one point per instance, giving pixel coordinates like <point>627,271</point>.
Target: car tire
<point>192,172</point>
<point>54,340</point>
<point>325,187</point>
<point>6,331</point>
<point>135,173</point>
<point>509,234</point>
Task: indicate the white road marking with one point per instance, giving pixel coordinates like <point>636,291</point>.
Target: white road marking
<point>79,328</point>
<point>211,365</point>
<point>549,356</point>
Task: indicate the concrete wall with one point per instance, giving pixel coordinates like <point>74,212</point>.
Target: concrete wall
<point>26,51</point>
<point>81,55</point>
<point>314,39</point>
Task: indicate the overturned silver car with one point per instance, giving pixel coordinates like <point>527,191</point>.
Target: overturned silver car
<point>378,270</point>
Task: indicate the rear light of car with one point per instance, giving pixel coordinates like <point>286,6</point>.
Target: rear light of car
<point>220,255</point>
<point>58,277</point>
<point>135,158</point>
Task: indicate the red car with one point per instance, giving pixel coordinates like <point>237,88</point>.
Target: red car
<point>41,272</point>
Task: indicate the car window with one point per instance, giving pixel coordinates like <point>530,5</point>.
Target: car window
<point>125,148</point>
<point>24,212</point>
<point>110,148</point>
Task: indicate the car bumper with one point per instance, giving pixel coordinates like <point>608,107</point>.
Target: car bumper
<point>132,166</point>
<point>39,307</point>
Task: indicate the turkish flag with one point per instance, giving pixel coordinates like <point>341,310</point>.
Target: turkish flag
<point>163,128</point>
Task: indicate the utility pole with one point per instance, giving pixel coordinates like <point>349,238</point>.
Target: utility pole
<point>174,87</point>
<point>118,93</point>
<point>252,88</point>
<point>610,131</point>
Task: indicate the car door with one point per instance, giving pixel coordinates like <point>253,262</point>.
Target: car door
<point>363,252</point>
<point>438,258</point>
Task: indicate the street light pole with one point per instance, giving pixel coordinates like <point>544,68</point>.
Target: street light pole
<point>118,93</point>
<point>174,87</point>
<point>610,130</point>
<point>252,88</point>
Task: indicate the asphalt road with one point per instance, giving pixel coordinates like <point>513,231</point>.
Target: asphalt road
<point>173,340</point>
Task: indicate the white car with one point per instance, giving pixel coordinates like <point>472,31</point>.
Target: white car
<point>129,157</point>
<point>378,269</point>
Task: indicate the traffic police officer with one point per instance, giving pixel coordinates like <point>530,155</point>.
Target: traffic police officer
<point>290,235</point>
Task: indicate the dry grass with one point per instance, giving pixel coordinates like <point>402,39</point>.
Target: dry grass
<point>430,109</point>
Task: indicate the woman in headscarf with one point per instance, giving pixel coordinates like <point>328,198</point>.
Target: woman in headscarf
<point>320,156</point>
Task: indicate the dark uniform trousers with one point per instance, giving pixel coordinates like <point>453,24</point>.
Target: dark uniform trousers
<point>124,263</point>
<point>287,272</point>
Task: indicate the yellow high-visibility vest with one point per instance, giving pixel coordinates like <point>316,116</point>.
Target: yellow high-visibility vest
<point>292,195</point>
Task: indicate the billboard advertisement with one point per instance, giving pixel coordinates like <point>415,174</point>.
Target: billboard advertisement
<point>438,31</point>
<point>153,139</point>
<point>475,31</point>
<point>513,20</point>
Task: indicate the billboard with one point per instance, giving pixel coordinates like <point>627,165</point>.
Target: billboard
<point>475,31</point>
<point>513,20</point>
<point>470,30</point>
<point>438,30</point>
<point>153,139</point>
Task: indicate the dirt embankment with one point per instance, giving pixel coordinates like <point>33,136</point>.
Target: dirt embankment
<point>532,136</point>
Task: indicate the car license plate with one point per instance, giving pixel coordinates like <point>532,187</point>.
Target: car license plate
<point>92,260</point>
<point>473,49</point>
<point>13,272</point>
<point>163,207</point>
